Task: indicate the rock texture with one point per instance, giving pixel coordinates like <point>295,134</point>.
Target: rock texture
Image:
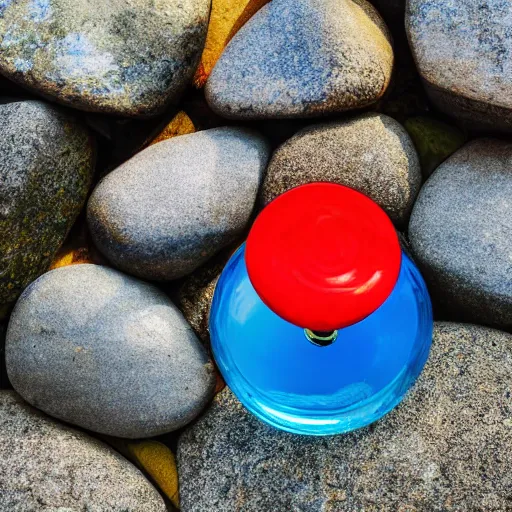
<point>46,167</point>
<point>297,58</point>
<point>46,466</point>
<point>174,205</point>
<point>463,51</point>
<point>448,446</point>
<point>107,352</point>
<point>127,58</point>
<point>371,153</point>
<point>4,382</point>
<point>460,232</point>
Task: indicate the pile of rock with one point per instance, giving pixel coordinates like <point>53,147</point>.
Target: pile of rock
<point>125,185</point>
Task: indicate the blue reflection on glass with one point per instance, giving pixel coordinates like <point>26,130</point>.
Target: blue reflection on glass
<point>295,385</point>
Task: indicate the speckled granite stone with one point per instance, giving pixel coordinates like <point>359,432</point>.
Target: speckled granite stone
<point>460,232</point>
<point>463,51</point>
<point>127,58</point>
<point>447,447</point>
<point>174,205</point>
<point>46,466</point>
<point>46,167</point>
<point>297,58</point>
<point>94,347</point>
<point>371,153</point>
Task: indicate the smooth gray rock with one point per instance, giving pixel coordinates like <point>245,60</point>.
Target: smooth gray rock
<point>46,168</point>
<point>460,232</point>
<point>46,466</point>
<point>119,57</point>
<point>107,352</point>
<point>372,153</point>
<point>463,51</point>
<point>174,205</point>
<point>302,58</point>
<point>448,446</point>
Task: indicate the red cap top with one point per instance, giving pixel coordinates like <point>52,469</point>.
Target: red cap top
<point>323,256</point>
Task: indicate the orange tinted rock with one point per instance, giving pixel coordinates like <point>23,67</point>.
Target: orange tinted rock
<point>68,256</point>
<point>180,124</point>
<point>159,463</point>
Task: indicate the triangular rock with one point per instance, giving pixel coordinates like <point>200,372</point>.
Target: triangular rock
<point>300,58</point>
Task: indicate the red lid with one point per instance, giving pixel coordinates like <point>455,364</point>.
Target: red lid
<point>323,256</point>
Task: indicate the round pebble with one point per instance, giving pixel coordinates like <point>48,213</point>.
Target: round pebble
<point>125,58</point>
<point>107,352</point>
<point>46,168</point>
<point>372,153</point>
<point>174,205</point>
<point>303,58</point>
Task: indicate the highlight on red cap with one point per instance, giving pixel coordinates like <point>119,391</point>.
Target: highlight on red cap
<point>323,256</point>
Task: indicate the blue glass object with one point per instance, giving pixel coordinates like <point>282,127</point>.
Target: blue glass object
<point>296,385</point>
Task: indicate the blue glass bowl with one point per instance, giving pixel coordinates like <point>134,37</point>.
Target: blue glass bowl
<point>296,385</point>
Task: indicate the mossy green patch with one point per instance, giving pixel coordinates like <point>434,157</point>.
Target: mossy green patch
<point>45,173</point>
<point>435,141</point>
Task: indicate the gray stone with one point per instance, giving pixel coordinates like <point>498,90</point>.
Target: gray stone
<point>371,153</point>
<point>448,446</point>
<point>174,205</point>
<point>107,352</point>
<point>126,58</point>
<point>460,232</point>
<point>46,167</point>
<point>300,58</point>
<point>463,51</point>
<point>46,466</point>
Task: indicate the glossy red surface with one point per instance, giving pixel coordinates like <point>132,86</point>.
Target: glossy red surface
<point>323,256</point>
